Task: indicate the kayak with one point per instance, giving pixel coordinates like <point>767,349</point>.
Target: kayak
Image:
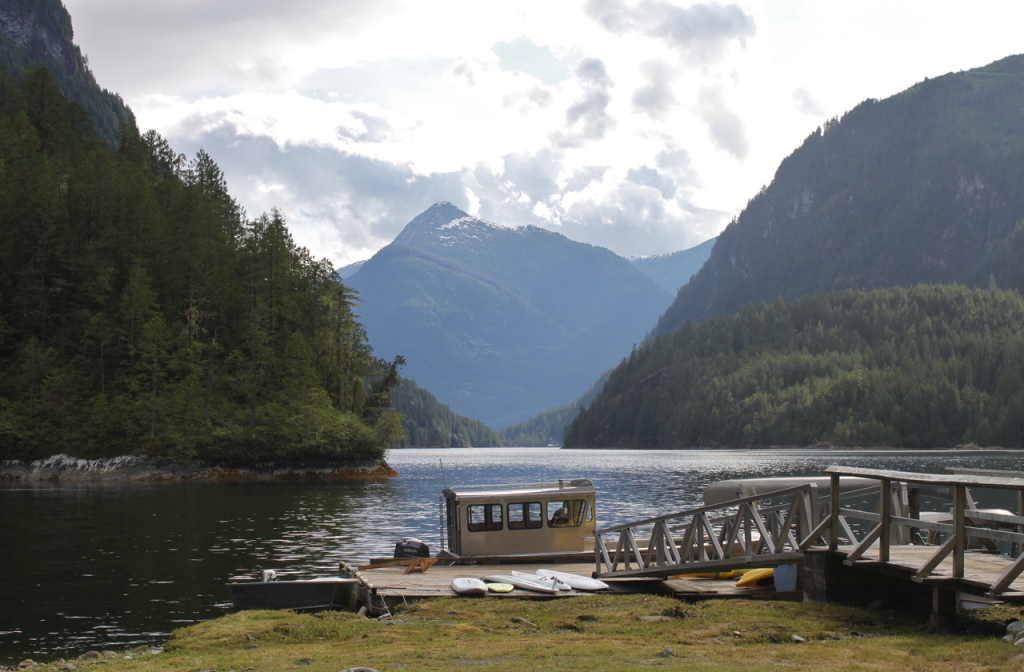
<point>574,580</point>
<point>469,586</point>
<point>713,575</point>
<point>757,578</point>
<point>520,582</point>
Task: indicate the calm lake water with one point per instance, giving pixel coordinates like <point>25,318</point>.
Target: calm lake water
<point>114,566</point>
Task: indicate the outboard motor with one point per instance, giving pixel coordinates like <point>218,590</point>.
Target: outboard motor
<point>409,547</point>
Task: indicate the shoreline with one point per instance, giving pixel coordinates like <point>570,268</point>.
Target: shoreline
<point>129,468</point>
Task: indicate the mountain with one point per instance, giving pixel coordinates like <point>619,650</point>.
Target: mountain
<point>39,32</point>
<point>547,428</point>
<point>919,187</point>
<point>674,270</point>
<point>430,424</point>
<point>925,367</point>
<point>500,322</point>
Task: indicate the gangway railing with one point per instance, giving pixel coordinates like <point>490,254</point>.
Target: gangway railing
<point>762,530</point>
<point>966,521</point>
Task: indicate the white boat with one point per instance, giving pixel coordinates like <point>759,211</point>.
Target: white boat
<point>574,581</point>
<point>534,585</point>
<point>469,586</point>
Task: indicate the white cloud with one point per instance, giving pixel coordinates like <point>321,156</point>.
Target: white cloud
<point>641,125</point>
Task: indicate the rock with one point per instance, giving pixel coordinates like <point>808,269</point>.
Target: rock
<point>1019,642</point>
<point>144,648</point>
<point>666,653</point>
<point>1008,639</point>
<point>89,655</point>
<point>108,654</point>
<point>737,633</point>
<point>586,618</point>
<point>304,661</point>
<point>360,669</point>
<point>27,663</point>
<point>523,621</point>
<point>67,667</point>
<point>1015,627</point>
<point>798,639</point>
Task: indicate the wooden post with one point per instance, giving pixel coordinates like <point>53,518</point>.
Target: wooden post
<point>943,614</point>
<point>914,506</point>
<point>833,528</point>
<point>1020,528</point>
<point>959,504</point>
<point>886,513</point>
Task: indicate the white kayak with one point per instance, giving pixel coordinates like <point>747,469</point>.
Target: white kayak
<point>552,581</point>
<point>469,586</point>
<point>575,581</point>
<point>536,584</point>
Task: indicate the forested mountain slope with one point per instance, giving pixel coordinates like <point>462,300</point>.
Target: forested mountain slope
<point>430,424</point>
<point>142,313</point>
<point>919,187</point>
<point>928,366</point>
<point>37,33</point>
<point>502,322</point>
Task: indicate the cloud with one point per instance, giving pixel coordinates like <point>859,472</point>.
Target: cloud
<point>535,96</point>
<point>241,39</point>
<point>725,126</point>
<point>656,99</point>
<point>701,32</point>
<point>587,119</point>
<point>376,129</point>
<point>806,104</point>
<point>523,55</point>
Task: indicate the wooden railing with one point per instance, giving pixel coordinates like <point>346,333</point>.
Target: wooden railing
<point>763,530</point>
<point>965,525</point>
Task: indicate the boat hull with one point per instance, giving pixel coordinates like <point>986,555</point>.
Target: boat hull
<point>296,595</point>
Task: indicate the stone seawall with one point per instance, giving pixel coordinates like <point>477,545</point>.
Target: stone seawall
<point>130,468</point>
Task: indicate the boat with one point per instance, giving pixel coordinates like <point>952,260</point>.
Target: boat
<point>500,587</point>
<point>298,595</point>
<point>757,578</point>
<point>469,586</point>
<point>520,523</point>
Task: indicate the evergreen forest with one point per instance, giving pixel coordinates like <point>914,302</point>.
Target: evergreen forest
<point>927,366</point>
<point>430,424</point>
<point>142,311</point>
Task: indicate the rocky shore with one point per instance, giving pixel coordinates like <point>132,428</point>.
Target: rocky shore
<point>65,468</point>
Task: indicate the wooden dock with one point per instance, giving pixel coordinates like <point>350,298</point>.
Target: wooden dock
<point>388,587</point>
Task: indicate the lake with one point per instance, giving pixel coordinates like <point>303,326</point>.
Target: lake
<point>114,566</point>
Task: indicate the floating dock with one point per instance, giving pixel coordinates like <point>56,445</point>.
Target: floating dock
<point>386,588</point>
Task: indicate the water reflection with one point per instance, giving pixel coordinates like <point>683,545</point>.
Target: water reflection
<point>104,566</point>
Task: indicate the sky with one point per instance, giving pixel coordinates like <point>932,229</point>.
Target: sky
<point>643,126</point>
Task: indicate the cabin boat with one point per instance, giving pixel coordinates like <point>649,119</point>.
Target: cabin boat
<point>519,520</point>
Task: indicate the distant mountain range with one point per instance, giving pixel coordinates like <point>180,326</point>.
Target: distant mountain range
<point>39,32</point>
<point>501,323</point>
<point>920,187</point>
<point>674,270</point>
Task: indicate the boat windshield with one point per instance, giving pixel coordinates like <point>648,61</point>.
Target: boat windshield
<point>566,512</point>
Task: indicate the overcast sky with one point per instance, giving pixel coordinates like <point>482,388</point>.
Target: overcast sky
<point>641,126</point>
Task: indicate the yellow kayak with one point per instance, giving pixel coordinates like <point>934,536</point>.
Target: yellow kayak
<point>713,575</point>
<point>757,578</point>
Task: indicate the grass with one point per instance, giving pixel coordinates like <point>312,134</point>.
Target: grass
<point>591,633</point>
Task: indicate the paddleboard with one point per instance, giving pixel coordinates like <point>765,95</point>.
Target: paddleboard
<point>520,582</point>
<point>574,580</point>
<point>469,586</point>
<point>757,578</point>
<point>552,581</point>
<point>500,587</point>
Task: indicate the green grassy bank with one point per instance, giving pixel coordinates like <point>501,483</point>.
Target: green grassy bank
<point>588,633</point>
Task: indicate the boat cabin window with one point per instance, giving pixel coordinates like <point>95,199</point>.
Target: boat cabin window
<point>484,517</point>
<point>524,516</point>
<point>566,512</point>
